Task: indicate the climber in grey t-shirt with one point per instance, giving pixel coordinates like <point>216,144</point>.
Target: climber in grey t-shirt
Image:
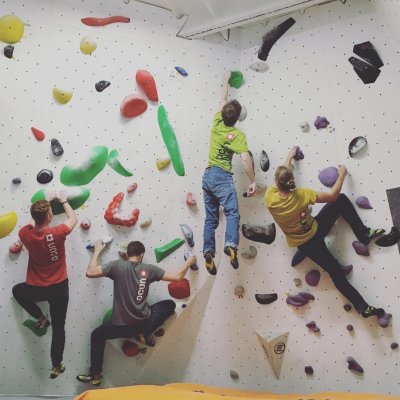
<point>131,315</point>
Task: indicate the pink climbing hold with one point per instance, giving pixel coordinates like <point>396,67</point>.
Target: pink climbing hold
<point>360,248</point>
<point>132,106</point>
<point>16,247</point>
<point>39,135</point>
<point>85,224</point>
<point>131,188</point>
<point>191,199</point>
<point>312,277</point>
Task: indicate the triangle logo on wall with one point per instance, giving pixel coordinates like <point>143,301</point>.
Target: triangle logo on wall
<point>274,345</point>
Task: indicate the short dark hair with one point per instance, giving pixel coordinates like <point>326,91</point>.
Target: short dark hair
<point>135,249</point>
<point>39,211</point>
<point>230,112</point>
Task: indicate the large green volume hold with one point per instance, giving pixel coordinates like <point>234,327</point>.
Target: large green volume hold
<point>164,251</point>
<point>170,141</point>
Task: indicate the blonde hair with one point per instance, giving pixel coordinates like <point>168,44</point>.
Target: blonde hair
<point>284,179</point>
<point>39,211</point>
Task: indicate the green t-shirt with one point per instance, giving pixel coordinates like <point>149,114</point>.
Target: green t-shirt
<point>225,141</point>
<point>293,214</point>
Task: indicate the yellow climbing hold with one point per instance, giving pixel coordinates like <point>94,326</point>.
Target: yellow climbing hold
<point>7,223</point>
<point>62,96</point>
<point>162,163</point>
<point>11,29</point>
<point>88,45</point>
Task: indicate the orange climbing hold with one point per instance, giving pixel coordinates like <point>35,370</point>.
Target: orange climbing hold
<point>90,21</point>
<point>146,81</point>
<point>132,106</point>
<point>39,135</point>
<point>113,217</point>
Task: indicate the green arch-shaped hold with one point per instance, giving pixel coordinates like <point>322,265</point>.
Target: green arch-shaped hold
<point>164,251</point>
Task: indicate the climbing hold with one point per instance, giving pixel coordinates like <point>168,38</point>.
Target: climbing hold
<point>85,224</point>
<point>243,114</point>
<point>11,29</point>
<point>249,253</point>
<point>146,222</point>
<point>305,126</point>
<point>62,96</point>
<point>189,253</point>
<point>181,71</point>
<point>130,349</point>
<point>298,258</point>
<point>115,164</point>
<point>308,370</point>
<point>236,79</point>
<point>164,251</point>
<point>296,300</point>
<point>84,173</point>
<point>347,307</point>
<point>306,295</point>
<point>44,176</point>
<point>366,72</point>
<point>363,202</point>
<point>233,374</point>
<point>266,298</point>
<point>16,181</point>
<point>394,345</point>
<point>384,320</point>
<point>170,141</point>
<point>346,268</point>
<point>76,198</point>
<point>107,316</point>
<point>328,176</point>
<point>90,21</point>
<point>184,305</point>
<point>271,37</point>
<point>299,154</point>
<point>390,239</point>
<point>239,291</point>
<point>9,51</point>
<point>132,187</point>
<point>132,106</point>
<point>179,289</point>
<point>297,282</point>
<point>56,148</point>
<point>101,85</point>
<point>264,161</point>
<point>113,217</point>
<point>349,328</point>
<point>356,145</point>
<point>360,248</point>
<point>122,250</point>
<point>39,135</point>
<point>354,365</point>
<point>367,51</point>
<point>257,233</point>
<point>259,66</point>
<point>16,247</point>
<point>162,163</point>
<point>188,234</point>
<point>88,45</point>
<point>191,199</point>
<point>32,325</point>
<point>91,243</point>
<point>321,122</point>
<point>312,277</point>
<point>312,326</point>
<point>146,81</point>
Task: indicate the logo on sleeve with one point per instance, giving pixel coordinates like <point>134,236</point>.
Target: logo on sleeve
<point>230,136</point>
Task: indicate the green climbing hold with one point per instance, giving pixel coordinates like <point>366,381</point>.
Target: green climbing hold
<point>236,79</point>
<point>30,324</point>
<point>164,251</point>
<point>76,198</point>
<point>84,173</point>
<point>170,141</point>
<point>107,316</point>
<point>113,162</point>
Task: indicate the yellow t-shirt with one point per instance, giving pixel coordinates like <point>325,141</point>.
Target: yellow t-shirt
<point>292,214</point>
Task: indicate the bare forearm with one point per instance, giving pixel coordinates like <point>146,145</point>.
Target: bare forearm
<point>181,272</point>
<point>288,161</point>
<point>248,167</point>
<point>337,187</point>
<point>93,263</point>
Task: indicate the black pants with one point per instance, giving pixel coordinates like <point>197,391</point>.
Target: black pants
<point>159,312</point>
<point>57,295</point>
<point>317,251</point>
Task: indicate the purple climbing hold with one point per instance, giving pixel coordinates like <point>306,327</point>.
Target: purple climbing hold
<point>299,154</point>
<point>312,277</point>
<point>328,176</point>
<point>306,295</point>
<point>346,268</point>
<point>349,327</point>
<point>308,370</point>
<point>383,321</point>
<point>312,326</point>
<point>321,122</point>
<point>360,248</point>
<point>296,300</point>
<point>354,365</point>
<point>363,202</point>
<point>347,307</point>
<point>298,258</point>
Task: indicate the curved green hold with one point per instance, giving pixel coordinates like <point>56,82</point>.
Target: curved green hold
<point>113,162</point>
<point>170,141</point>
<point>107,316</point>
<point>236,79</point>
<point>76,198</point>
<point>164,251</point>
<point>77,175</point>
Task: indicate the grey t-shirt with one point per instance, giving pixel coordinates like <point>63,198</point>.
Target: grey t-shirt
<point>131,286</point>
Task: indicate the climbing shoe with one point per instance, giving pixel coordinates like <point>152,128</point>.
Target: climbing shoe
<point>148,340</point>
<point>232,253</point>
<point>372,234</point>
<point>89,378</point>
<point>390,239</point>
<point>372,311</point>
<point>42,323</point>
<point>210,265</point>
<point>55,371</point>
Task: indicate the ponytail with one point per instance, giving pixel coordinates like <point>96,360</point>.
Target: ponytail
<point>284,179</point>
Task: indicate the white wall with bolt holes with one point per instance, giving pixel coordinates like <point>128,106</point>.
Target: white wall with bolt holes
<point>308,75</point>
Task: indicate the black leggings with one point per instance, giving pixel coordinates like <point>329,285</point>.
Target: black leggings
<point>57,295</point>
<point>317,251</point>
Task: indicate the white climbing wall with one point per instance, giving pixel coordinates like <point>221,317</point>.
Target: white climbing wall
<point>308,75</point>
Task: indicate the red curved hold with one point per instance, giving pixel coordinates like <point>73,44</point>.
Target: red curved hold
<point>113,217</point>
<point>146,81</point>
<point>91,21</point>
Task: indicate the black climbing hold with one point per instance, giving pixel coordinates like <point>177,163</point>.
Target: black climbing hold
<point>368,53</point>
<point>356,145</point>
<point>16,181</point>
<point>313,326</point>
<point>298,258</point>
<point>8,51</point>
<point>347,307</point>
<point>366,72</point>
<point>101,85</point>
<point>264,161</point>
<point>257,233</point>
<point>390,239</point>
<point>44,176</point>
<point>271,37</point>
<point>266,298</point>
<point>354,365</point>
<point>394,345</point>
<point>56,148</point>
<point>308,370</point>
<point>184,305</point>
<point>349,327</point>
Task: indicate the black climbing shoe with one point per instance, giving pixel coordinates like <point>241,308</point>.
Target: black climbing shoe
<point>210,265</point>
<point>372,234</point>
<point>42,323</point>
<point>390,239</point>
<point>56,371</point>
<point>232,253</point>
<point>372,311</point>
<point>90,378</point>
<point>148,340</point>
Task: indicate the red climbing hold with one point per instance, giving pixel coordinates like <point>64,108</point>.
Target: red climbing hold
<point>131,188</point>
<point>130,349</point>
<point>132,106</point>
<point>146,81</point>
<point>39,135</point>
<point>90,21</point>
<point>179,289</point>
<point>113,217</point>
<point>191,199</point>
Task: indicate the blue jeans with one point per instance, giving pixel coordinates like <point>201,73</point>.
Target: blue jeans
<point>218,189</point>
